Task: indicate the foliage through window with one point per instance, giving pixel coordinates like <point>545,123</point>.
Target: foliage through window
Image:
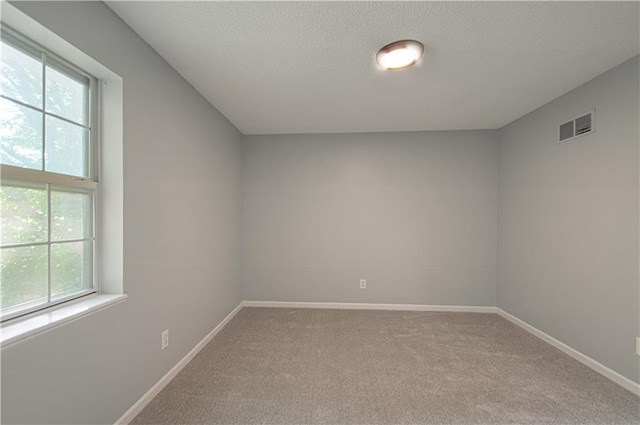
<point>49,182</point>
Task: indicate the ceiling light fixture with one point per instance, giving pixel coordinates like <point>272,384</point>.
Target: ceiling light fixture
<point>400,54</point>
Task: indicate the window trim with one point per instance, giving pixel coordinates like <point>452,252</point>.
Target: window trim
<point>56,180</point>
<point>111,209</point>
<point>15,332</point>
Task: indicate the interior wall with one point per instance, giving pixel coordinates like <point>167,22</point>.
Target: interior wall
<point>413,213</point>
<point>568,221</point>
<point>182,210</point>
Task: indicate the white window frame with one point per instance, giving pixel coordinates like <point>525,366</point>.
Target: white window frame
<point>110,212</point>
<point>55,181</point>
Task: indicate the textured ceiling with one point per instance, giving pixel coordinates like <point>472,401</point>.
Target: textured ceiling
<point>308,67</point>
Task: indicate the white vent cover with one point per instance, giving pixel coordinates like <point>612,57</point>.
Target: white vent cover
<point>576,127</point>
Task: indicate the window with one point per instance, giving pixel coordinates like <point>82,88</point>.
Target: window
<point>49,185</point>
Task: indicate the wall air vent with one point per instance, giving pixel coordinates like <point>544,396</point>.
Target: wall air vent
<point>576,127</point>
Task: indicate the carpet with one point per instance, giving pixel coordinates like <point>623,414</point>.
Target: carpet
<point>317,366</point>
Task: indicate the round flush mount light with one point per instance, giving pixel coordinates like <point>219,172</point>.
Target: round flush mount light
<point>400,54</point>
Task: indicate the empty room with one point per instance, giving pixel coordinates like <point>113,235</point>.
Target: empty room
<point>319,212</point>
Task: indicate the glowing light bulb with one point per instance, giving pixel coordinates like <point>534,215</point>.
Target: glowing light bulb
<point>400,54</point>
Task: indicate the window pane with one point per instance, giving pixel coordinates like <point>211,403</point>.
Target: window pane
<point>21,76</point>
<point>23,276</point>
<point>24,214</point>
<point>66,147</point>
<point>70,267</point>
<point>66,97</point>
<point>20,135</point>
<point>70,215</point>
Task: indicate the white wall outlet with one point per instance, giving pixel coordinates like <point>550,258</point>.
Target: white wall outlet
<point>165,339</point>
<point>363,283</point>
<point>638,346</point>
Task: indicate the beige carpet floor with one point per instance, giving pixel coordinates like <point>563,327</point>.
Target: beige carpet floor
<point>309,366</point>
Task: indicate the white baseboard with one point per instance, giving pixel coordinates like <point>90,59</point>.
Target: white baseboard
<point>367,306</point>
<point>155,390</point>
<point>626,383</point>
<point>582,358</point>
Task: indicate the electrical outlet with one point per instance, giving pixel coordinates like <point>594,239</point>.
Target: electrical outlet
<point>363,283</point>
<point>165,339</point>
<point>638,346</point>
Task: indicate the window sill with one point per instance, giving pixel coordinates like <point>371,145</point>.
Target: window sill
<point>14,332</point>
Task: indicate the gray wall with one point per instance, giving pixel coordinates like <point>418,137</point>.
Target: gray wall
<point>568,221</point>
<point>413,213</point>
<point>182,239</point>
